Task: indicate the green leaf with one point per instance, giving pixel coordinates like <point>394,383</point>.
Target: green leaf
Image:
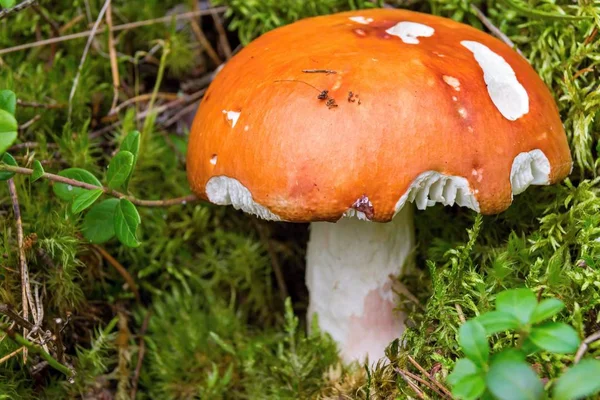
<point>513,380</point>
<point>7,3</point>
<point>127,221</point>
<point>555,337</point>
<point>8,101</point>
<point>131,143</point>
<point>463,368</point>
<point>498,321</point>
<point>119,169</point>
<point>99,222</point>
<point>546,309</point>
<point>509,355</point>
<point>8,160</point>
<point>470,387</point>
<point>38,171</point>
<point>8,130</point>
<point>85,200</point>
<point>473,340</point>
<point>581,380</point>
<point>518,302</point>
<point>68,192</point>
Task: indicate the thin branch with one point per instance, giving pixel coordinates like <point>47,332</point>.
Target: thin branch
<point>143,203</point>
<point>30,122</point>
<point>424,372</point>
<point>222,34</point>
<point>38,105</point>
<point>26,297</point>
<point>584,346</point>
<point>11,355</point>
<point>19,7</point>
<point>493,29</point>
<point>202,38</point>
<point>412,385</point>
<point>424,382</point>
<point>114,66</point>
<point>84,55</point>
<point>131,25</point>
<point>143,97</point>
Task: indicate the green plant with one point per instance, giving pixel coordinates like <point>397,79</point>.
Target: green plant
<point>506,375</point>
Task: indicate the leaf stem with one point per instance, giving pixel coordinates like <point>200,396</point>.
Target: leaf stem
<point>138,202</point>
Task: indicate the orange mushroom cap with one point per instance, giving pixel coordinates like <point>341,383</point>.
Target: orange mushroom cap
<point>355,110</point>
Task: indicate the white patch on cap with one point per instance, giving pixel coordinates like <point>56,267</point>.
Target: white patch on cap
<point>532,168</point>
<point>432,187</point>
<point>213,159</point>
<point>361,20</point>
<point>462,112</point>
<point>410,31</point>
<point>232,117</point>
<point>224,191</point>
<point>452,81</point>
<point>506,92</point>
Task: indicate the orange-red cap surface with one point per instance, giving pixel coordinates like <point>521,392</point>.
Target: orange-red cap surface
<point>349,110</point>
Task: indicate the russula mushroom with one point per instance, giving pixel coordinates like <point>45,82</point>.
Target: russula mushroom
<point>343,120</point>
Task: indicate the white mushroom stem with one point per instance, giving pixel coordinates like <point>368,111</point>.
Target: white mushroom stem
<point>350,267</point>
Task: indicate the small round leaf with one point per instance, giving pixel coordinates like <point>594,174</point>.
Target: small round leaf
<point>8,101</point>
<point>546,309</point>
<point>119,169</point>
<point>555,337</point>
<point>509,379</point>
<point>581,380</point>
<point>99,221</point>
<point>8,160</point>
<point>85,200</point>
<point>518,302</point>
<point>38,171</point>
<point>8,130</point>
<point>473,340</point>
<point>498,321</point>
<point>127,220</point>
<point>68,192</point>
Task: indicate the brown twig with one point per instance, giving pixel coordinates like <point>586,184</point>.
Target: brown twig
<point>424,382</point>
<point>493,29</point>
<point>11,355</point>
<point>412,385</point>
<point>461,315</point>
<point>143,203</point>
<point>30,145</point>
<point>141,354</point>
<point>201,37</point>
<point>38,105</point>
<point>120,269</point>
<point>424,372</point>
<point>15,317</point>
<point>584,346</point>
<point>222,34</point>
<point>30,122</point>
<point>143,97</point>
<point>19,7</point>
<point>84,55</point>
<point>177,117</point>
<point>112,52</point>
<point>131,25</point>
<point>26,297</point>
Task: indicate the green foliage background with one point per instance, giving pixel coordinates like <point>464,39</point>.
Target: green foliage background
<point>217,327</point>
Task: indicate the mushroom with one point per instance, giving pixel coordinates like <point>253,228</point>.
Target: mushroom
<point>343,120</point>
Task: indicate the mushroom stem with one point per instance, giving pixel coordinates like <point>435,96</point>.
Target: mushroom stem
<point>350,267</point>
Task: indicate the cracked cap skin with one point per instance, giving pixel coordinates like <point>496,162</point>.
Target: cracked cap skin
<point>406,93</point>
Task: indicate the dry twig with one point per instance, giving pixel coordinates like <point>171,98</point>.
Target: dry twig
<point>121,269</point>
<point>202,38</point>
<point>424,372</point>
<point>131,25</point>
<point>584,346</point>
<point>141,354</point>
<point>114,67</point>
<point>494,29</point>
<point>84,55</point>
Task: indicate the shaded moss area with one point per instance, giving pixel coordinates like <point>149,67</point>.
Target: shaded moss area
<point>211,322</point>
